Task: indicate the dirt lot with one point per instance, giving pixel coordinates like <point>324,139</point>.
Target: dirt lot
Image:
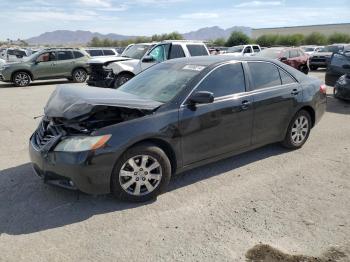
<point>266,205</point>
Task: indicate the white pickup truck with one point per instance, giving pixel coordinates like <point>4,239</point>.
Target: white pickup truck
<point>115,72</point>
<point>243,50</point>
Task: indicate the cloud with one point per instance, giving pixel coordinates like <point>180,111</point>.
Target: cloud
<point>96,3</point>
<point>199,16</point>
<point>260,4</point>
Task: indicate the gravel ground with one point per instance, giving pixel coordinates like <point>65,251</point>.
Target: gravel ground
<point>266,205</point>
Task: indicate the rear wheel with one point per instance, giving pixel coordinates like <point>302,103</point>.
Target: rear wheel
<point>304,69</point>
<point>141,174</point>
<point>298,130</point>
<point>21,79</point>
<point>122,79</point>
<point>79,75</point>
<point>313,67</point>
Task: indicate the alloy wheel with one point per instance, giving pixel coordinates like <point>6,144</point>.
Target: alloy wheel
<point>140,175</point>
<point>300,130</point>
<point>22,79</point>
<point>80,76</point>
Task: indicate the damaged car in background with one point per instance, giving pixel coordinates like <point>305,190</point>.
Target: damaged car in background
<point>174,116</point>
<point>112,73</point>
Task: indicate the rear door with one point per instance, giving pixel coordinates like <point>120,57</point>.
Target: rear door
<point>65,63</point>
<point>294,58</point>
<point>208,130</point>
<point>197,50</point>
<point>248,51</point>
<point>275,96</point>
<point>338,66</point>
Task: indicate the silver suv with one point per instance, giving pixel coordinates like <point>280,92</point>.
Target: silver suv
<point>114,73</point>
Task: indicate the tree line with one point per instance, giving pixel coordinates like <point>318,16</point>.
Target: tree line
<point>315,38</point>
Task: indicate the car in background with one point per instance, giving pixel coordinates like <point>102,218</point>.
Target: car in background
<point>310,49</point>
<point>243,50</point>
<point>101,52</point>
<point>321,58</point>
<point>294,57</point>
<point>115,73</point>
<point>49,63</point>
<point>14,54</point>
<point>338,74</point>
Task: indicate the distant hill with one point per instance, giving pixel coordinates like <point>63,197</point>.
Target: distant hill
<point>64,37</point>
<point>210,33</point>
<point>67,37</point>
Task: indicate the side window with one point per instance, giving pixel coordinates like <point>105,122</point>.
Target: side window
<point>293,53</point>
<point>340,60</point>
<point>47,57</point>
<point>64,55</point>
<point>286,78</point>
<point>256,49</point>
<point>285,54</point>
<point>248,50</point>
<point>78,54</point>
<point>176,51</point>
<point>197,50</point>
<point>108,52</point>
<point>301,53</point>
<point>95,52</point>
<point>264,75</point>
<point>158,53</point>
<point>225,80</point>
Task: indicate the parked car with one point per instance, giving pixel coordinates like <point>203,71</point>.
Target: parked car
<point>114,73</point>
<point>47,64</point>
<point>293,57</point>
<point>243,50</point>
<point>338,74</point>
<point>321,58</point>
<point>101,52</point>
<point>311,49</point>
<point>13,54</point>
<point>174,116</point>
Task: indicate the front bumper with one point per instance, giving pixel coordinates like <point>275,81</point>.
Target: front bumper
<point>85,171</point>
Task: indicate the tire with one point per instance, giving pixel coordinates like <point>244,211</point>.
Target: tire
<point>141,173</point>
<point>122,79</point>
<point>313,67</point>
<point>298,130</point>
<point>21,79</point>
<point>304,69</point>
<point>335,92</point>
<point>79,75</point>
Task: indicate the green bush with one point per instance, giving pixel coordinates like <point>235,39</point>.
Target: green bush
<point>315,38</point>
<point>237,38</point>
<point>338,38</point>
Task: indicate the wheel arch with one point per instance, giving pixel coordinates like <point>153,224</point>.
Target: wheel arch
<point>78,67</point>
<point>125,72</point>
<point>312,113</point>
<point>22,70</point>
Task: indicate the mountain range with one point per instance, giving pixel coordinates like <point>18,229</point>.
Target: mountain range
<point>67,37</point>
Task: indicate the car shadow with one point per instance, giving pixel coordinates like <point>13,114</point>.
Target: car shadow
<point>39,83</point>
<point>335,105</point>
<point>27,205</point>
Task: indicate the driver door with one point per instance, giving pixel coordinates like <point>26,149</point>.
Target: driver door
<point>158,54</point>
<point>44,65</point>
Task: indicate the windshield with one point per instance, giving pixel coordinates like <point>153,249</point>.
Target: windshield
<point>331,49</point>
<point>136,51</point>
<point>235,49</point>
<point>270,53</point>
<point>161,82</point>
<point>309,49</point>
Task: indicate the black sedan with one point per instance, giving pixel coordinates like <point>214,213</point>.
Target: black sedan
<point>172,117</point>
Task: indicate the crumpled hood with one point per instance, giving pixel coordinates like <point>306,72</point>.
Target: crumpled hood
<point>107,59</point>
<point>72,101</point>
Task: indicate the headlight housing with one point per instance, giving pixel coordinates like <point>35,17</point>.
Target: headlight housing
<point>82,143</point>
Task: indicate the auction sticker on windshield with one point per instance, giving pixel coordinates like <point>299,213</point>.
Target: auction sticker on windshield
<point>193,67</point>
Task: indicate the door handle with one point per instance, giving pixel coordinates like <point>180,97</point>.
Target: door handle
<point>245,104</point>
<point>295,92</point>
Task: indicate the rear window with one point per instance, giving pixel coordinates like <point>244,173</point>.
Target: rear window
<point>78,54</point>
<point>264,75</point>
<point>108,52</point>
<point>339,60</point>
<point>197,50</point>
<point>95,52</point>
<point>256,49</point>
<point>286,78</point>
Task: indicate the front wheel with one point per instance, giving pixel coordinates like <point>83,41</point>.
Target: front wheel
<point>21,79</point>
<point>141,174</point>
<point>304,69</point>
<point>79,75</point>
<point>122,79</point>
<point>298,130</point>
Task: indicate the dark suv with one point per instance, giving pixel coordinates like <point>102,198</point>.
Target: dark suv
<point>47,64</point>
<point>294,57</point>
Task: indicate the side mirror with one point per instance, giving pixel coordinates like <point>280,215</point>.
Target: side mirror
<point>37,62</point>
<point>202,97</point>
<point>283,59</point>
<point>148,59</point>
<point>346,66</point>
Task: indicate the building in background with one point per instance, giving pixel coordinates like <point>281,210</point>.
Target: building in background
<point>305,30</point>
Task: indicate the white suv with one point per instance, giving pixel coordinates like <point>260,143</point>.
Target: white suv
<point>243,50</point>
<point>14,54</point>
<point>129,65</point>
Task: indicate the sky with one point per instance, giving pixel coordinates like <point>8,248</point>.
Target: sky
<point>27,18</point>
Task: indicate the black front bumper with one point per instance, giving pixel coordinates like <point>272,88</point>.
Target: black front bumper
<point>85,171</point>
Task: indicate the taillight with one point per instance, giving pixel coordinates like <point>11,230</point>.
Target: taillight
<point>323,89</point>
